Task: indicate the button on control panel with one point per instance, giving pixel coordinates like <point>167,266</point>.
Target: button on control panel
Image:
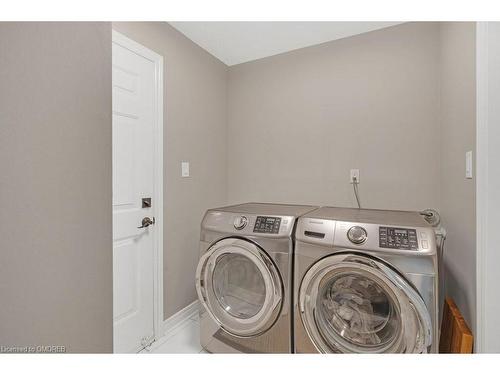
<point>398,238</point>
<point>267,224</point>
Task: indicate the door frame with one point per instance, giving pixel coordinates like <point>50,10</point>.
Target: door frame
<point>157,60</point>
<point>481,177</point>
<point>487,182</point>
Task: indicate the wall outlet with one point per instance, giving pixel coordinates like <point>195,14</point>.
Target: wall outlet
<point>185,169</point>
<point>468,164</point>
<point>354,176</point>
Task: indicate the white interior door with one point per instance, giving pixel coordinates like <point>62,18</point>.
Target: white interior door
<point>134,152</point>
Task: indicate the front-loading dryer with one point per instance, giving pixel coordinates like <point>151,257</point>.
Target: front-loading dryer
<point>244,278</point>
<point>366,281</point>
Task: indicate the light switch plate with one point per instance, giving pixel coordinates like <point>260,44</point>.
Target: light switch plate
<point>185,169</point>
<point>468,164</point>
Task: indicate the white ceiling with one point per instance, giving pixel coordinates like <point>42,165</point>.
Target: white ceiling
<point>237,42</point>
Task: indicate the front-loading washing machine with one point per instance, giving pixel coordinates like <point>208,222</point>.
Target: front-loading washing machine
<point>366,281</point>
<point>244,277</point>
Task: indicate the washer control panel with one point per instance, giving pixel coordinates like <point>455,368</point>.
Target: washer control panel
<point>398,238</point>
<point>267,224</point>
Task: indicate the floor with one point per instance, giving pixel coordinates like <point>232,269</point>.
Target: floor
<point>184,338</point>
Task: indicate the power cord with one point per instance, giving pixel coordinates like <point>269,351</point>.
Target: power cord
<point>355,188</point>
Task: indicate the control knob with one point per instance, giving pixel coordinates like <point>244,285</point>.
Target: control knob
<point>240,222</point>
<point>357,235</point>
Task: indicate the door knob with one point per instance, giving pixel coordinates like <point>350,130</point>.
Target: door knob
<point>146,222</point>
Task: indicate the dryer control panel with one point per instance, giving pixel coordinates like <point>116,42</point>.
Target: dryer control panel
<point>267,224</point>
<point>398,238</point>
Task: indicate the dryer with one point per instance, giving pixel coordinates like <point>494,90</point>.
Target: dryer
<point>366,281</point>
<point>244,277</point>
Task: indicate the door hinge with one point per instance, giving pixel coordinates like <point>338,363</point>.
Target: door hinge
<point>147,341</point>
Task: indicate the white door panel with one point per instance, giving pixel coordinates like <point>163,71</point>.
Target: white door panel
<point>133,179</point>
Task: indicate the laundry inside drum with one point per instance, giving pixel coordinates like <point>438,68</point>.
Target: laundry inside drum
<point>356,309</point>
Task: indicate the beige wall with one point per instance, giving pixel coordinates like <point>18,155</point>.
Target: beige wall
<point>55,190</point>
<point>298,122</point>
<point>458,129</point>
<point>194,131</point>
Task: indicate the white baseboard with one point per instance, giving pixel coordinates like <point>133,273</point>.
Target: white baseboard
<point>180,318</point>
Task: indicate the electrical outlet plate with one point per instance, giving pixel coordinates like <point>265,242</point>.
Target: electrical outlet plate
<point>354,174</point>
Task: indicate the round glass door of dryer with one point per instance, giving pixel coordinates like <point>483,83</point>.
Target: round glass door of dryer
<point>240,287</point>
<point>356,304</point>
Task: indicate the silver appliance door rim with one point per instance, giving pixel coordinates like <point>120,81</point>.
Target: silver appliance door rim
<point>411,307</point>
<point>271,307</point>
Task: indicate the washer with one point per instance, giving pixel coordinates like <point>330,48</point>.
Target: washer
<point>244,276</point>
<point>366,281</point>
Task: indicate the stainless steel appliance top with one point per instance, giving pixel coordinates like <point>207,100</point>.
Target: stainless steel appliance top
<point>267,209</point>
<point>370,216</point>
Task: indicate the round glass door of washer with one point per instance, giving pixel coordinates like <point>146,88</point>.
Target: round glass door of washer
<point>357,308</point>
<point>355,304</point>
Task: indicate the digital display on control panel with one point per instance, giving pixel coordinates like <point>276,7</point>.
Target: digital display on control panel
<point>398,238</point>
<point>267,224</point>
